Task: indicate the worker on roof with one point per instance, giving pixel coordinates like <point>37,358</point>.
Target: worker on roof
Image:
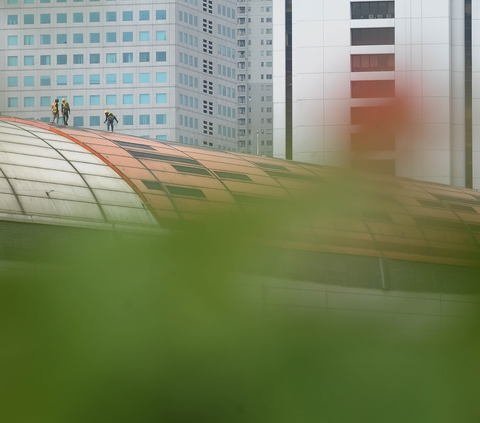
<point>109,120</point>
<point>55,111</point>
<point>65,111</point>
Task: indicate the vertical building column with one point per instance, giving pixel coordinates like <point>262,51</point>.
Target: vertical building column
<point>288,81</point>
<point>468,96</point>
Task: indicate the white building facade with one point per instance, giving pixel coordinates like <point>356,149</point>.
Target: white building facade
<point>347,58</point>
<point>255,75</point>
<point>152,63</point>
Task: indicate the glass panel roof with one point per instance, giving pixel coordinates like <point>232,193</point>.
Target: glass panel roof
<point>93,176</point>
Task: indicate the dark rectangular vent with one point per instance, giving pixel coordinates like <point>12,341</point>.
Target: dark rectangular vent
<point>384,217</point>
<point>260,201</point>
<point>457,199</point>
<point>228,175</point>
<point>153,185</point>
<point>194,170</point>
<point>163,157</point>
<point>447,224</point>
<point>295,176</point>
<point>473,227</point>
<point>458,207</point>
<point>133,145</point>
<point>190,192</point>
<point>270,166</point>
<point>428,203</point>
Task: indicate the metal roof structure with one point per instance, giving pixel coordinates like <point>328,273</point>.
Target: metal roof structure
<point>71,176</point>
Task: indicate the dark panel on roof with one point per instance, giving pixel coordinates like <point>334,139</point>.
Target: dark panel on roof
<point>229,175</point>
<point>162,157</point>
<point>271,166</point>
<point>153,185</point>
<point>448,224</point>
<point>190,192</point>
<point>133,145</point>
<point>193,170</point>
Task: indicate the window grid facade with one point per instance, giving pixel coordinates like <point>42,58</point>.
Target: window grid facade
<point>63,50</point>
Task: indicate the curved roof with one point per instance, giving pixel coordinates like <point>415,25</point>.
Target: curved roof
<point>81,177</point>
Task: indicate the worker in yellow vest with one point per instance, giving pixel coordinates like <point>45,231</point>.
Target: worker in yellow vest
<point>109,120</point>
<point>65,111</point>
<point>55,111</point>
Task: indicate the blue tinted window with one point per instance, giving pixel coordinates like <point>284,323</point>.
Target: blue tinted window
<point>95,37</point>
<point>45,39</point>
<point>28,19</point>
<point>28,60</point>
<point>29,102</point>
<point>94,120</point>
<point>12,40</point>
<point>45,81</point>
<point>95,58</point>
<point>128,119</point>
<point>144,15</point>
<point>61,18</point>
<point>61,38</point>
<point>94,79</point>
<point>144,36</point>
<point>61,59</point>
<point>144,57</point>
<point>127,16</point>
<point>78,121</point>
<point>78,59</point>
<point>144,99</point>
<point>128,78</point>
<point>128,99</point>
<point>45,18</point>
<point>111,99</point>
<point>161,56</point>
<point>77,79</point>
<point>144,78</point>
<point>111,58</point>
<point>127,57</point>
<point>28,81</point>
<point>78,100</point>
<point>12,61</point>
<point>128,36</point>
<point>161,137</point>
<point>111,78</point>
<point>111,16</point>
<point>45,101</point>
<point>94,100</point>
<point>61,79</point>
<point>12,101</point>
<point>161,15</point>
<point>144,120</point>
<point>161,119</point>
<point>12,20</point>
<point>111,37</point>
<point>78,17</point>
<point>161,77</point>
<point>161,35</point>
<point>77,38</point>
<point>94,16</point>
<point>13,81</point>
<point>161,98</point>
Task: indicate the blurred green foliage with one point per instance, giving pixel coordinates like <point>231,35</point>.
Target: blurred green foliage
<point>146,330</point>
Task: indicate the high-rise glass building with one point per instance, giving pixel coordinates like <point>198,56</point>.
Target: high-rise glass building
<point>255,73</point>
<point>166,69</point>
<point>338,62</point>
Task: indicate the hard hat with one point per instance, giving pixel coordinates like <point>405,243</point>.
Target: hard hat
<point>56,99</point>
<point>106,111</point>
<point>63,99</point>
